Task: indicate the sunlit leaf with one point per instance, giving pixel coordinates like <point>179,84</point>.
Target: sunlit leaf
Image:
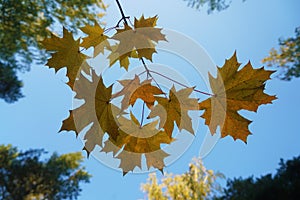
<point>175,109</point>
<point>235,90</point>
<point>66,54</point>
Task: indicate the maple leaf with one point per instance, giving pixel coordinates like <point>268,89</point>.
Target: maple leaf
<point>97,109</point>
<point>67,54</point>
<point>123,59</point>
<point>145,92</point>
<point>175,109</point>
<point>86,68</point>
<point>138,140</point>
<point>145,28</point>
<point>235,90</point>
<point>95,38</point>
<point>142,38</point>
<point>134,89</point>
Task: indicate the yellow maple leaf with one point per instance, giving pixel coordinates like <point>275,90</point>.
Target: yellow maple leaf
<point>141,38</point>
<point>66,54</point>
<point>235,90</point>
<point>138,140</point>
<point>95,38</point>
<point>175,109</point>
<point>97,109</point>
<point>145,22</point>
<point>144,26</point>
<point>123,59</point>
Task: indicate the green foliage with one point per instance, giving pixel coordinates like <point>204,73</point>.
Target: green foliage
<point>210,5</point>
<point>287,58</point>
<point>23,175</point>
<point>23,23</point>
<point>9,83</point>
<point>196,184</point>
<point>284,184</point>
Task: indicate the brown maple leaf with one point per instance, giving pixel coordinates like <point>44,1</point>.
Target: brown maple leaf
<point>235,90</point>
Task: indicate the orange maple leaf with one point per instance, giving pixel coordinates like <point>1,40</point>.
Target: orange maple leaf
<point>134,89</point>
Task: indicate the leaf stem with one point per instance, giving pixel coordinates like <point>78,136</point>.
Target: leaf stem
<point>170,79</point>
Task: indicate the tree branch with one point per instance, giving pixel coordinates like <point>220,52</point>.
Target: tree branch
<point>122,12</point>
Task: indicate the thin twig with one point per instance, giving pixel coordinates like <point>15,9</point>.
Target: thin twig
<point>179,83</point>
<point>118,24</point>
<point>122,12</point>
<point>143,109</point>
<point>142,73</point>
<point>108,29</point>
<point>150,75</point>
<point>143,113</point>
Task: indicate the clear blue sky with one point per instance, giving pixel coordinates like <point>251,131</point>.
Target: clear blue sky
<point>251,28</point>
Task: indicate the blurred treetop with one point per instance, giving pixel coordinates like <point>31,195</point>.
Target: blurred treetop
<point>24,23</point>
<point>27,175</point>
<point>287,57</point>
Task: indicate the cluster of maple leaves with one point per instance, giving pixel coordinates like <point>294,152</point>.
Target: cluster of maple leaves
<point>130,138</point>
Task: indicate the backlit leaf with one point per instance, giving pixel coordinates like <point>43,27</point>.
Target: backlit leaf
<point>134,89</point>
<point>123,59</point>
<point>175,109</point>
<point>66,54</point>
<point>235,90</point>
<point>138,140</point>
<point>95,38</point>
<point>145,92</point>
<point>97,109</point>
<point>141,38</point>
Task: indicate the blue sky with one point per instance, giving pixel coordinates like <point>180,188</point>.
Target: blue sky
<point>251,28</point>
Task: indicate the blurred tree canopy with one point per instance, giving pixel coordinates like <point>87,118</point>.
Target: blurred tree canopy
<point>199,183</point>
<point>196,184</point>
<point>24,175</point>
<point>25,22</point>
<point>210,5</point>
<point>287,58</point>
<point>284,184</point>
